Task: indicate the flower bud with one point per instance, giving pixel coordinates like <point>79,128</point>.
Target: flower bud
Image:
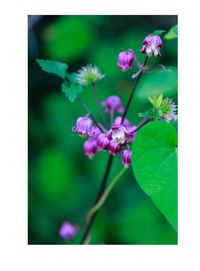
<point>114,148</point>
<point>67,230</point>
<point>113,104</point>
<point>83,126</point>
<point>125,60</point>
<point>126,157</point>
<point>151,45</point>
<point>90,147</point>
<point>102,141</point>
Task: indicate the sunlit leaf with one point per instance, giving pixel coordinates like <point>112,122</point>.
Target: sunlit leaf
<point>155,166</point>
<point>172,33</point>
<point>54,67</point>
<point>158,32</point>
<point>71,90</point>
<point>157,82</point>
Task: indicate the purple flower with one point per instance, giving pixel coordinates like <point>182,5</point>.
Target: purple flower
<point>130,134</point>
<point>95,131</point>
<point>125,60</point>
<point>151,45</point>
<point>102,141</point>
<point>118,134</point>
<point>83,126</point>
<point>113,104</point>
<point>117,121</point>
<point>90,147</point>
<point>122,134</point>
<point>114,148</point>
<point>67,230</point>
<point>126,157</point>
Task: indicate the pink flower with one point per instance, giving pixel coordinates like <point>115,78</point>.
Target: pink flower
<point>102,141</point>
<point>118,120</point>
<point>151,45</point>
<point>125,60</point>
<point>126,157</point>
<point>122,134</point>
<point>67,230</point>
<point>90,147</point>
<point>114,148</point>
<point>83,126</point>
<point>113,104</point>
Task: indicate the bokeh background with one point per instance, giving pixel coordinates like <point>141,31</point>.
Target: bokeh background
<point>62,182</point>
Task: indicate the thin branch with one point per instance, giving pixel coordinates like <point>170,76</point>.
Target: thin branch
<point>133,90</point>
<point>103,198</point>
<point>92,116</point>
<point>100,193</point>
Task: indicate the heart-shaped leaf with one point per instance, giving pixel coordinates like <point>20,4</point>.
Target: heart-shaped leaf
<point>155,166</point>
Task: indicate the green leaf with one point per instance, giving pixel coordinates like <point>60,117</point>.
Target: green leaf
<point>155,166</point>
<point>172,33</point>
<point>148,113</point>
<point>158,32</point>
<point>155,83</point>
<point>53,67</point>
<point>71,90</point>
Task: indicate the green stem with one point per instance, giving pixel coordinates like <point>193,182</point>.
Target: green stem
<point>103,198</point>
<point>100,193</point>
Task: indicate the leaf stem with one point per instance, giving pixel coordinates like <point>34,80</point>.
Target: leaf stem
<point>142,123</point>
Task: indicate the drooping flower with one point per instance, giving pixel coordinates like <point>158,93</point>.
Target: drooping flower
<point>114,148</point>
<point>168,110</point>
<point>102,141</point>
<point>84,126</point>
<point>89,75</point>
<point>126,157</point>
<point>125,60</point>
<point>122,134</point>
<point>118,134</point>
<point>113,104</point>
<point>151,45</point>
<point>68,231</point>
<point>130,133</point>
<point>90,147</point>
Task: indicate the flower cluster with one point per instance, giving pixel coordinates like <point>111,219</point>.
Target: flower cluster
<point>116,140</point>
<point>151,45</point>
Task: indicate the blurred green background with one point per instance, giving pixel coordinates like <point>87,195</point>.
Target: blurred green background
<point>62,182</point>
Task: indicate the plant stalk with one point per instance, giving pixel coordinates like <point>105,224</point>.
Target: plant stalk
<point>133,90</point>
<point>100,193</point>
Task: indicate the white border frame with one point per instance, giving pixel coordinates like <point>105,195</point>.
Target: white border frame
<point>16,253</point>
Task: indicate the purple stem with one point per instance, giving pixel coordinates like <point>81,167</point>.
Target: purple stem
<point>133,90</point>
